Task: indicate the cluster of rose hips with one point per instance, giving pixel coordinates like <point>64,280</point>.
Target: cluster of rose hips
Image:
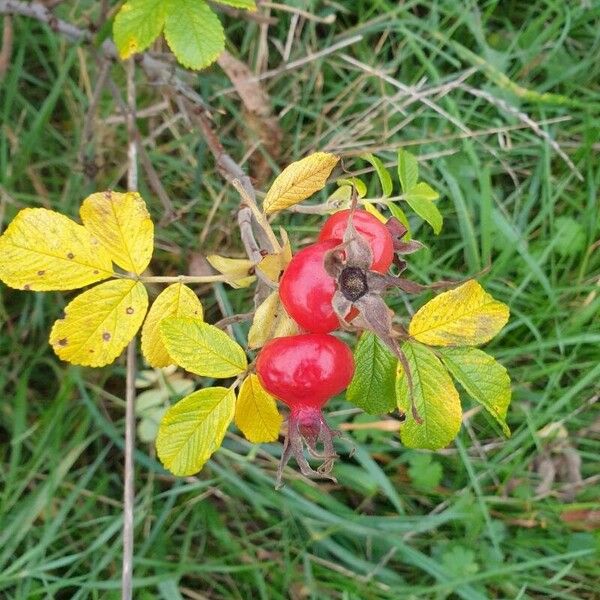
<point>335,282</point>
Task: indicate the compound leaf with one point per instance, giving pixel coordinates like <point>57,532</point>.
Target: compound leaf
<point>122,225</point>
<point>137,24</point>
<point>177,300</point>
<point>408,170</point>
<point>435,397</point>
<point>299,180</point>
<point>201,348</point>
<point>100,322</point>
<point>385,179</point>
<point>191,430</point>
<point>483,378</point>
<point>373,387</point>
<point>256,413</point>
<point>43,250</point>
<point>464,316</point>
<point>270,321</point>
<point>194,33</point>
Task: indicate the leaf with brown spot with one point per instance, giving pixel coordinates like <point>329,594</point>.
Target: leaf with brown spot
<point>43,250</point>
<point>96,328</point>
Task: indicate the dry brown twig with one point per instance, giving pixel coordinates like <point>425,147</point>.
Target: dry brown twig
<point>129,480</point>
<point>258,112</point>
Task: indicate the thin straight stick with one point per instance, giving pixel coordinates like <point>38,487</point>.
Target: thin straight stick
<point>129,492</point>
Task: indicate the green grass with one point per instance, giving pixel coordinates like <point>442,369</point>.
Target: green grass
<point>483,532</point>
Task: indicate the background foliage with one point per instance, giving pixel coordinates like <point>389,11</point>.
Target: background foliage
<point>482,519</point>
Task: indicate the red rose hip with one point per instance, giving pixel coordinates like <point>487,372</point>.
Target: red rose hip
<point>370,227</point>
<point>304,371</point>
<point>306,289</point>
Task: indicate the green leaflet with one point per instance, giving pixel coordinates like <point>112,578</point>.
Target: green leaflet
<point>401,216</point>
<point>435,397</point>
<point>484,379</point>
<point>408,170</point>
<point>385,179</point>
<point>201,348</point>
<point>192,429</point>
<point>194,33</point>
<point>192,30</point>
<point>373,385</point>
<point>419,195</point>
<point>420,198</point>
<point>137,24</point>
<point>359,184</point>
<point>245,4</point>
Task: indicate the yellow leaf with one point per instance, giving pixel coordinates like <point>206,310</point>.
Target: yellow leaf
<point>236,269</point>
<point>177,300</point>
<point>273,265</point>
<point>201,348</point>
<point>270,321</point>
<point>256,413</point>
<point>100,322</point>
<point>465,316</point>
<point>191,430</point>
<point>483,378</point>
<point>43,250</point>
<point>371,208</point>
<point>122,225</point>
<point>299,180</point>
<point>436,400</point>
<point>137,24</point>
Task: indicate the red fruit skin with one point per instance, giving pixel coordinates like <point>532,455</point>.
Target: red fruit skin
<point>306,290</point>
<point>376,233</point>
<point>305,370</point>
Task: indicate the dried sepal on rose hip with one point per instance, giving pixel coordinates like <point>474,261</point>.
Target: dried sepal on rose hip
<point>304,371</point>
<point>357,300</point>
<point>306,289</point>
<point>378,235</point>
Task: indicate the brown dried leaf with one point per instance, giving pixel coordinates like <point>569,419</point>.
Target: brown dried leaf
<point>258,113</point>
